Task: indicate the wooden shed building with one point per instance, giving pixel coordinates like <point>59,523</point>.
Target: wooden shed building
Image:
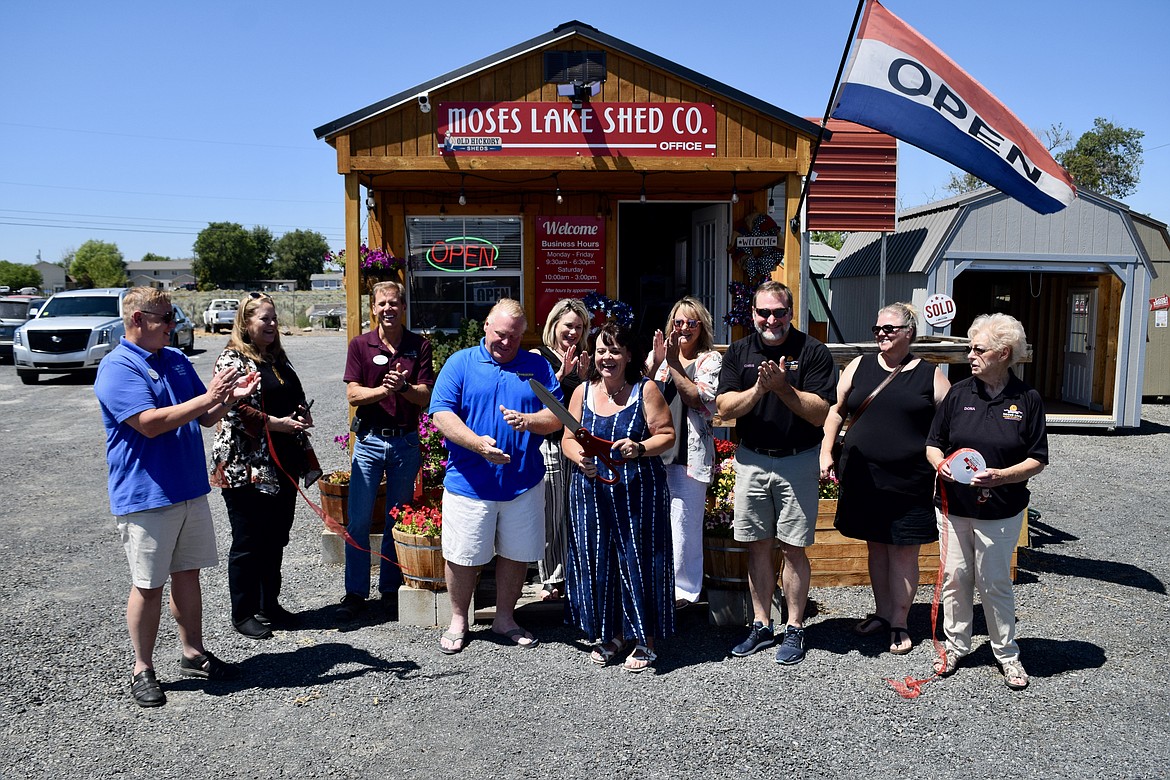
<point>570,163</point>
<point>1079,280</point>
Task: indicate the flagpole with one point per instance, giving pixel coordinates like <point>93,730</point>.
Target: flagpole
<point>795,224</point>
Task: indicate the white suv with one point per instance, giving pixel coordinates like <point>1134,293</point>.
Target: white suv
<point>72,332</point>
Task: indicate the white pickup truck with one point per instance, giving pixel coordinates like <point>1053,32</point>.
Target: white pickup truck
<point>220,313</point>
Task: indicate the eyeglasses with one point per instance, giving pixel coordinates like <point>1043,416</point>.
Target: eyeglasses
<point>779,313</point>
<point>168,318</point>
<point>687,323</point>
<point>889,330</point>
<point>979,350</point>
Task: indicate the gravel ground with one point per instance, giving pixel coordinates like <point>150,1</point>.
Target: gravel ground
<point>381,701</point>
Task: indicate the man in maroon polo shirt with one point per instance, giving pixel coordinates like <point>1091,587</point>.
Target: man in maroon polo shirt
<point>388,376</point>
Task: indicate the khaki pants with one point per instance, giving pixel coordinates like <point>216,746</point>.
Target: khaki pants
<point>979,555</point>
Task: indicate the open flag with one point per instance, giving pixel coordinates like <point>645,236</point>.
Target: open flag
<point>900,83</point>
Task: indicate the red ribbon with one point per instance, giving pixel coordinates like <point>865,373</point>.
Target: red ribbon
<point>328,520</point>
<point>911,687</point>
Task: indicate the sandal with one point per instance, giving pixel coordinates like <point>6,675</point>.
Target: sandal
<point>896,641</point>
<point>871,625</point>
<point>457,641</point>
<point>1014,675</point>
<point>549,592</point>
<point>946,664</point>
<point>640,660</point>
<point>605,652</point>
<point>206,666</point>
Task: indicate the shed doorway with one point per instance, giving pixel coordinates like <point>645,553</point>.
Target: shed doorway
<point>1068,320</point>
<point>668,250</point>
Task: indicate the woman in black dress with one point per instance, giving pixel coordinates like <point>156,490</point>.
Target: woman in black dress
<point>887,485</point>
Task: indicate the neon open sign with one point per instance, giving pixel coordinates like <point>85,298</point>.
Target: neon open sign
<point>462,254</point>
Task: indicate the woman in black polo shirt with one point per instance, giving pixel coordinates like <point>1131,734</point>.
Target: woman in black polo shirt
<point>1001,418</point>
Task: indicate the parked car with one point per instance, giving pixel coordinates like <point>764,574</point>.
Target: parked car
<point>220,313</point>
<point>13,314</point>
<point>183,336</point>
<point>34,306</point>
<point>72,332</point>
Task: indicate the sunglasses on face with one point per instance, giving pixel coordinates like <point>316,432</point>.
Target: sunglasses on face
<point>257,295</point>
<point>779,313</point>
<point>686,323</point>
<point>889,330</point>
<point>168,318</point>
<point>979,350</point>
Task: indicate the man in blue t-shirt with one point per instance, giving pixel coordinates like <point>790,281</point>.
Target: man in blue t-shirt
<point>152,404</point>
<point>493,494</point>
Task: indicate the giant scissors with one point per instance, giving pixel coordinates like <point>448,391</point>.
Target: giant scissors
<point>593,446</point>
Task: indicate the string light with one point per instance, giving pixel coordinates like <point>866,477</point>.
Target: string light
<point>734,190</point>
<point>560,198</point>
<point>462,192</point>
<point>642,197</point>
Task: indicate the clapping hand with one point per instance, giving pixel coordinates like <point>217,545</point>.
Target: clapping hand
<point>659,348</point>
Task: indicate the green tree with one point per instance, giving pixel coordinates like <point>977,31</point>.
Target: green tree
<point>225,252</point>
<point>98,264</point>
<point>833,238</point>
<point>961,182</point>
<point>151,257</point>
<point>297,254</point>
<point>17,275</point>
<point>1107,159</point>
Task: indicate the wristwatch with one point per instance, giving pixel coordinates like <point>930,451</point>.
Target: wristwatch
<point>641,449</point>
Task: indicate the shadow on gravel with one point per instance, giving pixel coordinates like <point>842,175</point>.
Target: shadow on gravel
<point>1039,562</point>
<point>1050,657</point>
<point>1147,428</point>
<point>301,668</point>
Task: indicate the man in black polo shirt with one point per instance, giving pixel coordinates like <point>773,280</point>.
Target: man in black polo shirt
<point>778,383</point>
<point>388,376</point>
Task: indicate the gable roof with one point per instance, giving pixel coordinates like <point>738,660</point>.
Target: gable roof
<point>925,231</point>
<point>560,33</point>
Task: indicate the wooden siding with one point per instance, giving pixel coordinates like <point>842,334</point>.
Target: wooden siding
<point>407,132</point>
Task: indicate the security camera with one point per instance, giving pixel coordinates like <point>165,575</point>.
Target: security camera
<point>424,103</point>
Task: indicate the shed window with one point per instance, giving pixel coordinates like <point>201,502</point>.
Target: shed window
<point>460,266</point>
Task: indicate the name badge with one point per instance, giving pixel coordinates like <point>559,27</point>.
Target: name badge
<point>152,374</point>
<point>381,360</point>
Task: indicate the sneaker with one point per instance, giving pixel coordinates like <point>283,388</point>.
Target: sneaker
<point>792,647</point>
<point>351,606</point>
<point>758,638</point>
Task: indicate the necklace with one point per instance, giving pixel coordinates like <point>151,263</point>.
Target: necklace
<point>617,392</point>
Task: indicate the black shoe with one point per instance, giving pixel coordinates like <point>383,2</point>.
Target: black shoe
<point>278,617</point>
<point>146,691</point>
<point>207,666</point>
<point>352,605</point>
<point>254,629</point>
<point>758,638</point>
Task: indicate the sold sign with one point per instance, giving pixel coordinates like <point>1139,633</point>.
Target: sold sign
<point>939,310</point>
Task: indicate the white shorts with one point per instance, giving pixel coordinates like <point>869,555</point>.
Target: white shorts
<point>161,541</point>
<point>474,531</point>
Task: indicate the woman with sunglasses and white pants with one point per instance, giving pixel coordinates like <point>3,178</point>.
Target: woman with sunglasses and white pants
<point>886,484</point>
<point>686,368</point>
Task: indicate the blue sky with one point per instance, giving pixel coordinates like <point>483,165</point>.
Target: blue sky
<point>139,123</point>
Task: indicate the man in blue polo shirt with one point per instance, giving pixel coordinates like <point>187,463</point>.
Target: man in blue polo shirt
<point>493,496</point>
<point>152,404</point>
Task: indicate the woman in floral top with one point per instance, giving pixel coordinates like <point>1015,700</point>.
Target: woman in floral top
<point>259,489</point>
<point>686,368</point>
